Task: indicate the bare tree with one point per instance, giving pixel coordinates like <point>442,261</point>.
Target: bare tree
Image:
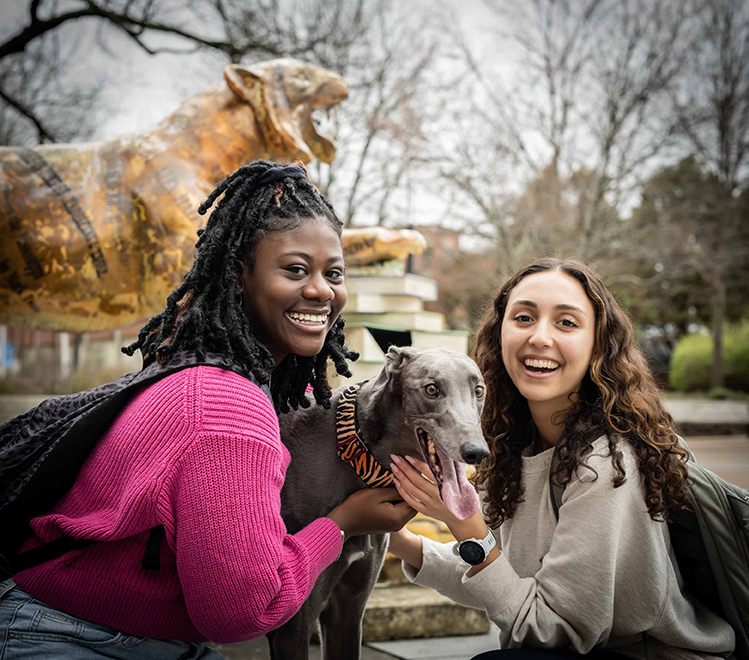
<point>584,115</point>
<point>480,194</point>
<point>381,131</point>
<point>323,32</point>
<point>712,106</point>
<point>40,104</point>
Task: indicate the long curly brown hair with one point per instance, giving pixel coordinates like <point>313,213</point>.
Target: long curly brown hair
<point>618,397</point>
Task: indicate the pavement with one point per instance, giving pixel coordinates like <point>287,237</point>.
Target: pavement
<point>436,648</point>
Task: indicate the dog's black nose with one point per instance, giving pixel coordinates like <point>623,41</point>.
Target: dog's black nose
<point>474,453</point>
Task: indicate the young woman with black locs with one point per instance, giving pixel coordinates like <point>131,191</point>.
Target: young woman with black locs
<point>563,373</point>
<point>199,452</point>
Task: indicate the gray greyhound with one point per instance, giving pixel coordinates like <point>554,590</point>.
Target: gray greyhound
<point>424,403</point>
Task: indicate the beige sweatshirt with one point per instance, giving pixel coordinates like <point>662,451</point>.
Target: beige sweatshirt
<point>603,576</point>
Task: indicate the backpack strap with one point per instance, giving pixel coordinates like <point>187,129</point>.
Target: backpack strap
<point>555,490</point>
<point>65,544</point>
<point>684,445</point>
<point>47,552</point>
<point>152,555</point>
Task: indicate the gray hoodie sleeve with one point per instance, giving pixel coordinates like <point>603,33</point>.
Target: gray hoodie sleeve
<point>442,571</point>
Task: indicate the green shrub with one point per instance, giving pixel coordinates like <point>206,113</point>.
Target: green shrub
<point>691,361</point>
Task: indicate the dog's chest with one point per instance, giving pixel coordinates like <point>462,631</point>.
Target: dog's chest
<point>368,548</point>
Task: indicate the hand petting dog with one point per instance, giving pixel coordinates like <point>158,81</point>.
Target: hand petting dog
<point>422,494</point>
<point>418,490</point>
<point>371,511</point>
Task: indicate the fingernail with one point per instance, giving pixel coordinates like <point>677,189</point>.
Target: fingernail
<point>397,483</point>
<point>409,459</point>
<point>394,467</point>
<point>395,458</point>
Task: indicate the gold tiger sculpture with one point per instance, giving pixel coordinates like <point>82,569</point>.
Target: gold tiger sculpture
<point>95,236</point>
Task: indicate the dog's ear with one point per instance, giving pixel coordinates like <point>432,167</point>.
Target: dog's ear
<point>262,88</point>
<point>396,357</point>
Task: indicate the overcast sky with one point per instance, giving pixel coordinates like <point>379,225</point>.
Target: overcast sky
<point>140,88</point>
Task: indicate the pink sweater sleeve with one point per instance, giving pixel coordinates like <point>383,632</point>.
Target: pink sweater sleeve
<point>241,573</point>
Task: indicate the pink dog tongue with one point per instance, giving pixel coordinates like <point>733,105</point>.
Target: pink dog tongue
<point>458,494</point>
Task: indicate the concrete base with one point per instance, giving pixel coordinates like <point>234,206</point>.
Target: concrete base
<point>409,611</point>
<point>708,417</point>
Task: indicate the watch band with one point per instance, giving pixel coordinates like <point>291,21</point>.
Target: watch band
<point>475,551</point>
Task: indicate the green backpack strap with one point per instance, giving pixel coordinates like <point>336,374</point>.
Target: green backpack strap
<point>555,490</point>
<point>713,547</point>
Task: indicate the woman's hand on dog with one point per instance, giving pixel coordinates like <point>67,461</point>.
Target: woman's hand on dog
<point>372,511</point>
<point>419,491</point>
<point>422,494</point>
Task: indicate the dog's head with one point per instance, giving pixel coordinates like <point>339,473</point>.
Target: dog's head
<point>283,95</point>
<point>442,394</point>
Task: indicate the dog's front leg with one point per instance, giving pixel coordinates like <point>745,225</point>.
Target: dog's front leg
<point>341,619</point>
<point>291,641</point>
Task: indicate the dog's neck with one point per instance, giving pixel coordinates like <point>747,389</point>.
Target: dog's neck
<point>380,416</point>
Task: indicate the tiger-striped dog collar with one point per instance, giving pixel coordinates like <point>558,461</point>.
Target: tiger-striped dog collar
<point>350,446</point>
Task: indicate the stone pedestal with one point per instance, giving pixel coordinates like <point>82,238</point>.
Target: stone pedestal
<point>388,309</point>
<point>409,611</point>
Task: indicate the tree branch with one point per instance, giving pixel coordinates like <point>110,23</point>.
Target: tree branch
<point>44,133</point>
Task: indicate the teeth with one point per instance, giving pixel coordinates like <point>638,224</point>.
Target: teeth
<point>541,364</point>
<point>433,455</point>
<point>311,319</point>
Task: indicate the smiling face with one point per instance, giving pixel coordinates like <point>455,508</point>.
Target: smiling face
<point>548,335</point>
<point>295,291</point>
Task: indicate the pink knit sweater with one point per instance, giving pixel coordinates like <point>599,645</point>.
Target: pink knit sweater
<point>198,452</point>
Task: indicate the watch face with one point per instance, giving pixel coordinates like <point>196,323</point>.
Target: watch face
<point>471,552</point>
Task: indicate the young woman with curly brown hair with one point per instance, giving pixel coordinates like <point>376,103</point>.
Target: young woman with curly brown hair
<point>563,373</point>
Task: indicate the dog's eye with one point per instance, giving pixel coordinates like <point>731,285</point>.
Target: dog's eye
<point>432,390</point>
<point>480,391</point>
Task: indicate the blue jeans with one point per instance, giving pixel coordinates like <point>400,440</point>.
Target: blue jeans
<point>30,629</point>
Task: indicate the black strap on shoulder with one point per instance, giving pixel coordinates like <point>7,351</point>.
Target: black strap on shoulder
<point>59,547</point>
<point>47,552</point>
<point>555,490</point>
<point>152,555</point>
